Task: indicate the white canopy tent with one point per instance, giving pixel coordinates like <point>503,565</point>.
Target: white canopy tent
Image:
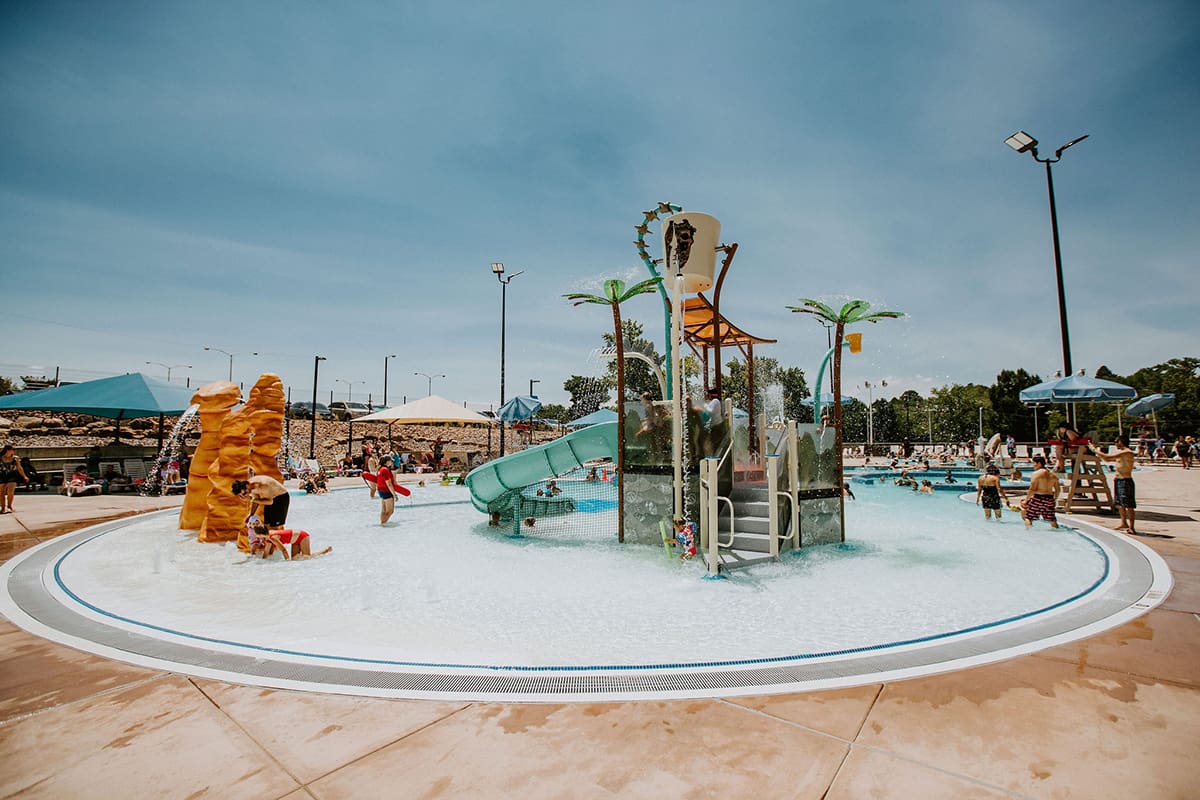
<point>428,410</point>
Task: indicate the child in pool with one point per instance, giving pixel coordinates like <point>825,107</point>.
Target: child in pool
<point>685,538</point>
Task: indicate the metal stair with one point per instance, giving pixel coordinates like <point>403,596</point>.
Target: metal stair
<point>751,538</point>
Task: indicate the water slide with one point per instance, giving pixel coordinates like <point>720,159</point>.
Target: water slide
<point>499,478</point>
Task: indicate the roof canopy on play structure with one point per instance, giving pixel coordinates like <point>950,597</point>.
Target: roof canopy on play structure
<point>428,410</point>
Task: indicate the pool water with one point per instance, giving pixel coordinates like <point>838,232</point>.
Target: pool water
<point>439,587</point>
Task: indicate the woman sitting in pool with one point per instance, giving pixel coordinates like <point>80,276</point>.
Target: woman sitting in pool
<point>926,487</point>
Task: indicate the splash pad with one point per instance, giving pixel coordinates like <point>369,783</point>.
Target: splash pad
<point>440,606</point>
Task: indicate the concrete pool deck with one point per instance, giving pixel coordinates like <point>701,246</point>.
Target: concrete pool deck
<point>1116,715</point>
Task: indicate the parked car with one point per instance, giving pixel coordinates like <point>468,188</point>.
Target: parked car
<point>304,410</point>
<point>346,410</point>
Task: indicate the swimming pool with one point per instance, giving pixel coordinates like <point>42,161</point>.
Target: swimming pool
<point>441,593</point>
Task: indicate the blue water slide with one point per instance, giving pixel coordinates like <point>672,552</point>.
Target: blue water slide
<point>515,471</point>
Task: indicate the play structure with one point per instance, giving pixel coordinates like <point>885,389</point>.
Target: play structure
<point>234,443</point>
<point>754,490</point>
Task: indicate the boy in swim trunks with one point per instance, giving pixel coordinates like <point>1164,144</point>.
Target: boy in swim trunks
<point>1042,496</point>
<point>1126,496</point>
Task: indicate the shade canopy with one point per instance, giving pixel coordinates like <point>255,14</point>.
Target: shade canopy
<point>594,418</point>
<point>1149,404</point>
<point>1077,389</point>
<point>122,397</point>
<point>427,410</point>
<point>521,407</point>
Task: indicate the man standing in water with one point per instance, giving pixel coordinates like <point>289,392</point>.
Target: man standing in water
<point>1126,497</point>
<point>267,493</point>
<point>1042,496</point>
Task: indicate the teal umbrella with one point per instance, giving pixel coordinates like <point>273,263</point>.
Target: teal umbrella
<point>519,408</point>
<point>123,397</point>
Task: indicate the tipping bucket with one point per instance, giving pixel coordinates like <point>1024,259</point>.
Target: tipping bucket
<point>690,242</point>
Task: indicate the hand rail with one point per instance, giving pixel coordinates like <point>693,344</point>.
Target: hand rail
<point>710,471</point>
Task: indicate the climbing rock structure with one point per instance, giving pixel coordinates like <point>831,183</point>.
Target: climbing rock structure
<point>233,446</point>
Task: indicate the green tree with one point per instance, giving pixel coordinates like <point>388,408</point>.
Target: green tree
<point>1010,415</point>
<point>7,386</point>
<point>639,377</point>
<point>1180,377</point>
<point>554,412</point>
<point>956,412</point>
<point>588,394</point>
<point>616,293</point>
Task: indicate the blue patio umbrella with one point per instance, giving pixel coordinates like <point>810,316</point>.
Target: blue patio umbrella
<point>594,418</point>
<point>1077,389</point>
<point>1149,404</point>
<point>122,397</point>
<point>521,407</point>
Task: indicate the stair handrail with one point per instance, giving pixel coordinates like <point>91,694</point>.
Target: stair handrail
<point>785,451</point>
<point>710,498</point>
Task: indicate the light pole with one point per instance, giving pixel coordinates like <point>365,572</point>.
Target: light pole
<point>531,383</point>
<point>1022,142</point>
<point>871,410</point>
<point>429,378</point>
<point>870,415</point>
<point>981,422</point>
<point>385,367</point>
<point>170,367</point>
<point>231,355</point>
<point>312,436</point>
<point>349,387</point>
<point>498,271</point>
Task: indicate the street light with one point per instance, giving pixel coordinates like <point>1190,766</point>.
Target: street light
<point>498,270</point>
<point>1022,142</point>
<point>871,411</point>
<point>349,387</point>
<point>429,378</point>
<point>170,367</point>
<point>312,436</point>
<point>231,355</point>
<point>385,366</point>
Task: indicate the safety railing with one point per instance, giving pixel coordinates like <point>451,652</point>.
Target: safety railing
<point>783,482</point>
<point>710,506</point>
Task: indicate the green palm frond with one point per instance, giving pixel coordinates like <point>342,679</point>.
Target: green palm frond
<point>615,292</point>
<point>642,287</point>
<point>816,308</point>
<point>580,298</point>
<point>852,312</point>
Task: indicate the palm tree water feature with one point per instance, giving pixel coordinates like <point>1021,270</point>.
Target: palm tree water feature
<point>852,312</point>
<point>616,293</point>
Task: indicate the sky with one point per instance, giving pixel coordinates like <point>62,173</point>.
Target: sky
<point>295,179</point>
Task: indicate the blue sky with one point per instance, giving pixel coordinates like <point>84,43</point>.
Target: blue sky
<point>297,179</point>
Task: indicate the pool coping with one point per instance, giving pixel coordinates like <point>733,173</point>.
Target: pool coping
<point>1141,581</point>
